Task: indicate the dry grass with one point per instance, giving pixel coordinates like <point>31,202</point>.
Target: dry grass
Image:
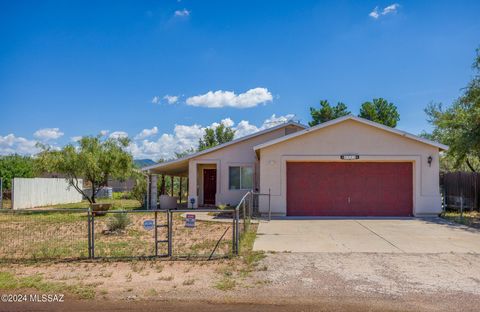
<point>469,218</point>
<point>63,235</point>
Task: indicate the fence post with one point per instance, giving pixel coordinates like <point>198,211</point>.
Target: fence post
<point>233,232</point>
<point>461,207</point>
<point>237,238</point>
<point>89,217</point>
<point>170,231</point>
<point>93,235</point>
<point>269,206</point>
<point>156,235</point>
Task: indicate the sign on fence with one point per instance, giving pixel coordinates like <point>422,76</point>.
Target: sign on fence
<point>190,220</point>
<point>148,225</point>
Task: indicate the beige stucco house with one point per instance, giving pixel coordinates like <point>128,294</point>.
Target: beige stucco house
<point>345,167</point>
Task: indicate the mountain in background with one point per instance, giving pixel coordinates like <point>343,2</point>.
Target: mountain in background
<point>140,163</point>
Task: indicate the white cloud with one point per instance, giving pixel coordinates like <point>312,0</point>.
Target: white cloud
<point>76,138</point>
<point>374,13</point>
<point>171,99</point>
<point>48,134</point>
<point>185,137</point>
<point>220,98</point>
<point>118,135</point>
<point>146,133</point>
<point>104,132</point>
<point>182,13</point>
<point>10,144</point>
<point>155,100</point>
<point>392,8</point>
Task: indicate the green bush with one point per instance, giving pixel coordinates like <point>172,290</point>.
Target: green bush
<point>119,221</point>
<point>122,195</point>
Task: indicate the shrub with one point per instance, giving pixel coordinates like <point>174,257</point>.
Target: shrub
<point>118,222</point>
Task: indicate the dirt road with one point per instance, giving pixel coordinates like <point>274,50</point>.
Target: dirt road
<point>280,282</point>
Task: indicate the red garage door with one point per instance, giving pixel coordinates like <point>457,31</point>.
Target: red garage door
<point>349,189</point>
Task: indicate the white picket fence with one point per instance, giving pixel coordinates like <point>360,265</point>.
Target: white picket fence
<point>37,192</point>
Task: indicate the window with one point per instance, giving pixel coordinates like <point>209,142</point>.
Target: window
<point>240,178</point>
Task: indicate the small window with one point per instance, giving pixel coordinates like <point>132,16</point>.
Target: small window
<point>240,178</point>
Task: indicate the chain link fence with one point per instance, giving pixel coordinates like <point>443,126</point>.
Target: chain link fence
<point>68,234</point>
<point>64,234</point>
<point>43,234</point>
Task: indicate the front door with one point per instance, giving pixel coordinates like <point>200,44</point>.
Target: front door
<point>209,186</point>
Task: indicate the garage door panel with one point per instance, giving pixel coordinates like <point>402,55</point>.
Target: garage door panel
<point>349,189</point>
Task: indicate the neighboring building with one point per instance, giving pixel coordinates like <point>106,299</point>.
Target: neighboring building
<point>345,167</point>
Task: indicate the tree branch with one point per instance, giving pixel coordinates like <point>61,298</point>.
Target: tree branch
<point>470,165</point>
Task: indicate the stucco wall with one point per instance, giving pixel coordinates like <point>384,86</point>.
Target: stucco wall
<point>351,137</point>
<point>239,154</point>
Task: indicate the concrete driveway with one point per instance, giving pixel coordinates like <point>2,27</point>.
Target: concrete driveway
<point>376,235</point>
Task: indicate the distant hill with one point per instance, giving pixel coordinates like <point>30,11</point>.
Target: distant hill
<point>140,163</point>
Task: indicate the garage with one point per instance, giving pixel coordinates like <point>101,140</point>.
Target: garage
<point>350,167</point>
<point>349,189</point>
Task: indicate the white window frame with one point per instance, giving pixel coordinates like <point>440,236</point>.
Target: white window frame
<point>240,177</point>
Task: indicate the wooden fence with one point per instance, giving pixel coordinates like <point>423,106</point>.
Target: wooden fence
<point>460,189</point>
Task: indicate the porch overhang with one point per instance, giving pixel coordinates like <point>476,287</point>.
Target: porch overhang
<point>177,168</point>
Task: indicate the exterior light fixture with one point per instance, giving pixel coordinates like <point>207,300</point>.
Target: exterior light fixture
<point>429,160</point>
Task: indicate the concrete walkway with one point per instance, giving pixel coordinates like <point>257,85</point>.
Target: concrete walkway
<point>376,235</point>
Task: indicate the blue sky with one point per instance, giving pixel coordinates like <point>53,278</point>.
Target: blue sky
<point>71,68</point>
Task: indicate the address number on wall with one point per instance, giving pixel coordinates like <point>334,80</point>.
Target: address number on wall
<point>349,157</point>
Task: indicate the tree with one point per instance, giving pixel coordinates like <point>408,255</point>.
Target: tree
<point>458,126</point>
<point>216,136</point>
<point>139,191</point>
<point>381,111</point>
<point>15,166</point>
<point>327,112</point>
<point>94,160</point>
<point>185,153</point>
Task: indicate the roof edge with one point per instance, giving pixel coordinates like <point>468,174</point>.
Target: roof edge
<point>359,119</point>
<point>215,148</point>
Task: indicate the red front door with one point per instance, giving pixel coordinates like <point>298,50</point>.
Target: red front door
<point>349,189</point>
<point>209,186</point>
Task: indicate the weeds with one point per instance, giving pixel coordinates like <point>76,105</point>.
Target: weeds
<point>225,284</point>
<point>8,281</point>
<point>188,282</point>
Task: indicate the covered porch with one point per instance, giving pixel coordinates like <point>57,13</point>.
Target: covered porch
<point>183,183</point>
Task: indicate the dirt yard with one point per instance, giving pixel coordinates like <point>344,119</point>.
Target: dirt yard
<point>64,235</point>
<point>286,281</point>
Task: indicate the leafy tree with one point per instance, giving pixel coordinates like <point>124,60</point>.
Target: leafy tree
<point>185,153</point>
<point>15,166</point>
<point>94,160</point>
<point>216,136</point>
<point>458,126</point>
<point>381,111</point>
<point>139,191</point>
<point>327,112</point>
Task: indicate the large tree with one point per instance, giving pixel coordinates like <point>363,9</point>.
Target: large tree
<point>94,160</point>
<point>381,111</point>
<point>458,126</point>
<point>15,166</point>
<point>215,136</point>
<point>327,112</point>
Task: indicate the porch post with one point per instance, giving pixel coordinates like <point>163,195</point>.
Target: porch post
<point>192,184</point>
<point>171,185</point>
<point>153,192</point>
<point>180,193</point>
<point>162,186</point>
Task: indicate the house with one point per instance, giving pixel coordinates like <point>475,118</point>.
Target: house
<point>349,166</point>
